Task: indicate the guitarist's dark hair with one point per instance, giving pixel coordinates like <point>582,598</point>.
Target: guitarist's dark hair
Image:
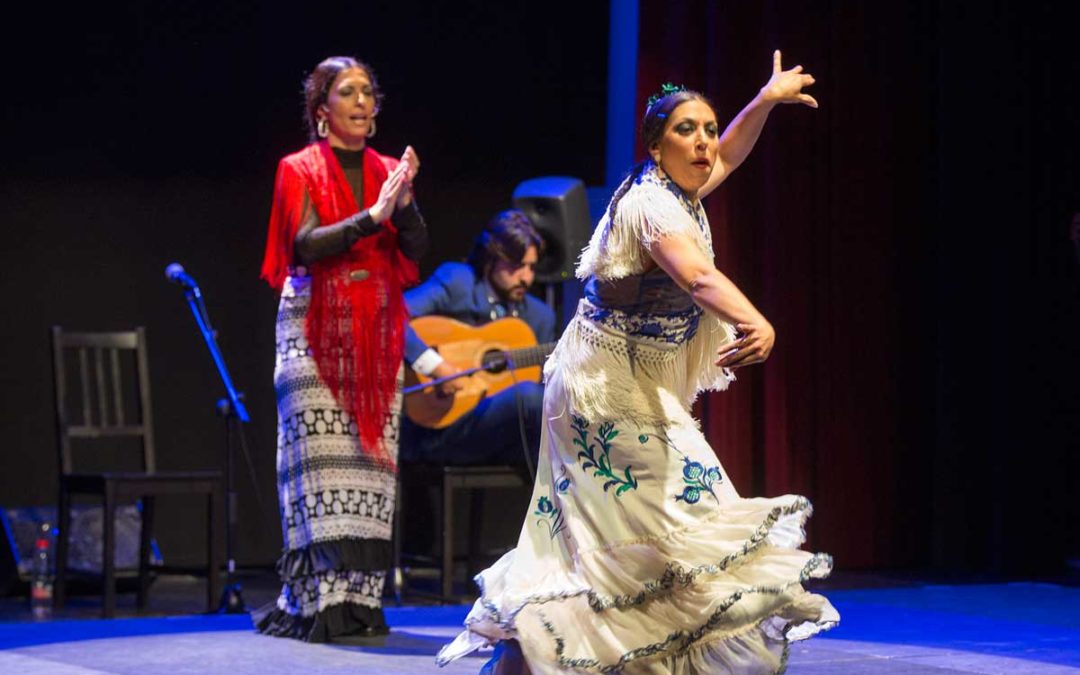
<point>506,237</point>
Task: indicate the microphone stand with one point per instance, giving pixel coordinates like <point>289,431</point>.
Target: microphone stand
<point>232,409</point>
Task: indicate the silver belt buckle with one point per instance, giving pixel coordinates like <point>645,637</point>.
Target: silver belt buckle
<point>359,275</point>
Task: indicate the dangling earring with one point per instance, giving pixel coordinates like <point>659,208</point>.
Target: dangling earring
<point>371,133</point>
<point>322,128</point>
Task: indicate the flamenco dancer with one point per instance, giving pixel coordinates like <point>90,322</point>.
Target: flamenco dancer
<point>638,555</point>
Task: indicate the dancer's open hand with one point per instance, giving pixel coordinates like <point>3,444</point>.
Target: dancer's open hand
<point>785,86</point>
<point>753,345</point>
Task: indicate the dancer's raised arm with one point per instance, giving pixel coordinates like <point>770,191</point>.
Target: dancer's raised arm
<point>738,139</point>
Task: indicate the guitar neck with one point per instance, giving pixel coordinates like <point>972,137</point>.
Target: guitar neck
<point>527,357</point>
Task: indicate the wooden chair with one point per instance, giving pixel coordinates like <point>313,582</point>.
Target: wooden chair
<point>107,409</point>
<point>448,480</point>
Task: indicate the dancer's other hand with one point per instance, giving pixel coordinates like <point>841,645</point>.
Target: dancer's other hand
<point>753,345</point>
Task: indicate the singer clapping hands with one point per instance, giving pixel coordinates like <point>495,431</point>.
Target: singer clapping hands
<point>341,270</point>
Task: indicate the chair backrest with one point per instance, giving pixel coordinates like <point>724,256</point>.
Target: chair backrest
<point>91,393</point>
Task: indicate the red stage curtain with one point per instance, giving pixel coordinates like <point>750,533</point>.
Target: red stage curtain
<point>818,227</point>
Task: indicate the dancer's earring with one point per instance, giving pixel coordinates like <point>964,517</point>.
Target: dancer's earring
<point>322,127</point>
<point>371,132</point>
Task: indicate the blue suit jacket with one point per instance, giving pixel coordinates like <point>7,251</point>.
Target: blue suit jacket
<point>455,291</point>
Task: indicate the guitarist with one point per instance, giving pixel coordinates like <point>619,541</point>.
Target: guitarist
<point>491,285</point>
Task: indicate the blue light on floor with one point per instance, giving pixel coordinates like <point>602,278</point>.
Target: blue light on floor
<point>1023,628</point>
<point>1031,621</point>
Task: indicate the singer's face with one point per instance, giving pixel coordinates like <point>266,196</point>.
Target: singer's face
<point>350,109</point>
<point>510,280</point>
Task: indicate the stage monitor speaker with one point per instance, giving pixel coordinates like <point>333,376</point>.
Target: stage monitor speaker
<point>22,527</point>
<point>559,208</point>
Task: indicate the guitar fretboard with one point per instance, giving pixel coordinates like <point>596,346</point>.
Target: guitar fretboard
<point>525,357</point>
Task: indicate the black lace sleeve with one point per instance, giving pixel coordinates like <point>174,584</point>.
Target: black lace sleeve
<point>314,242</point>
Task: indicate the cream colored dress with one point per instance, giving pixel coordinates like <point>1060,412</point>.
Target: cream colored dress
<point>637,554</point>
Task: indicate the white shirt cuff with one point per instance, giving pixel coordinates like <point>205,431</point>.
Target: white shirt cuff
<point>427,362</point>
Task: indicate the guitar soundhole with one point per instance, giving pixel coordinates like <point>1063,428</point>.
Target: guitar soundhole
<point>494,361</point>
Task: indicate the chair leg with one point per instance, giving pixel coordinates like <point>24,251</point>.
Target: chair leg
<point>145,537</point>
<point>476,514</point>
<point>214,529</point>
<point>63,516</point>
<point>108,552</point>
<point>447,538</point>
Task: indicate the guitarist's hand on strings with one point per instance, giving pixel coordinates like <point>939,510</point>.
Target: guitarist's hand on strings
<point>446,369</point>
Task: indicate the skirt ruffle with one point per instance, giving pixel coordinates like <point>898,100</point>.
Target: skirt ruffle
<point>724,596</point>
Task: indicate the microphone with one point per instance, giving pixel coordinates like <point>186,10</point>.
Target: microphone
<point>176,274</point>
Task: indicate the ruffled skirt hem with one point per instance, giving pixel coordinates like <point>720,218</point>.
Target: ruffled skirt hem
<point>323,626</point>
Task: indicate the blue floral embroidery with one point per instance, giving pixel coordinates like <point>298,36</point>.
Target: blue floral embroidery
<point>602,462</point>
<point>673,327</point>
<point>563,483</point>
<point>550,516</point>
<point>698,479</point>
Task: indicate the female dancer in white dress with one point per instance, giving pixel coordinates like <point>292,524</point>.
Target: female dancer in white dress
<point>638,555</point>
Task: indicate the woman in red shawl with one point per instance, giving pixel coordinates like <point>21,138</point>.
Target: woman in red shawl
<point>343,242</point>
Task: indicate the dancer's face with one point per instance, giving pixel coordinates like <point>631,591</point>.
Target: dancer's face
<point>350,109</point>
<point>510,280</point>
<point>689,147</point>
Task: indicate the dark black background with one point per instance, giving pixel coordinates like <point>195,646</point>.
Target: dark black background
<point>140,133</point>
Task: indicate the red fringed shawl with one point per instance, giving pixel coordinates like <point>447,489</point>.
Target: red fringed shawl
<point>355,328</point>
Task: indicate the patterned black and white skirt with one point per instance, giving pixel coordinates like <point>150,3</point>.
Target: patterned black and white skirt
<point>336,503</point>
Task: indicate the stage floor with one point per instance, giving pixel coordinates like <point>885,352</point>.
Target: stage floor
<point>917,629</point>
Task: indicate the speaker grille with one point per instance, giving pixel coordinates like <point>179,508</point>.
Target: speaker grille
<point>559,209</point>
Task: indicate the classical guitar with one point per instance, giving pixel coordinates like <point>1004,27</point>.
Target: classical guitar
<point>496,355</point>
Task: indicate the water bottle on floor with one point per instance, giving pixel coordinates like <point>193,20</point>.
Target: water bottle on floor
<point>41,574</point>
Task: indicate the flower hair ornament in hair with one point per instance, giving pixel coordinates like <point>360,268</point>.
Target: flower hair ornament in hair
<point>666,89</point>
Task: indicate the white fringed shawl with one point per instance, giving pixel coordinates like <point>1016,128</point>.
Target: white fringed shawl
<point>608,374</point>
